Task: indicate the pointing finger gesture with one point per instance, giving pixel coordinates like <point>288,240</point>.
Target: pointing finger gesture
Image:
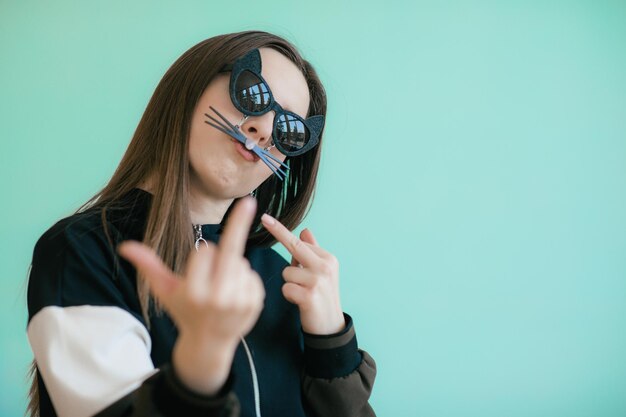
<point>312,280</point>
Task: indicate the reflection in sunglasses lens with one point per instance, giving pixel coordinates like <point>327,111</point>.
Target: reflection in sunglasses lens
<point>253,96</point>
<point>252,93</point>
<point>291,133</point>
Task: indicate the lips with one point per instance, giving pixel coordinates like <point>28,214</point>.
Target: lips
<point>246,154</point>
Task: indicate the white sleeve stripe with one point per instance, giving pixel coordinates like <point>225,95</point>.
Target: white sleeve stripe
<point>89,356</point>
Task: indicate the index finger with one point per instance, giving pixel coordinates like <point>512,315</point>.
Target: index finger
<point>235,235</point>
<point>296,247</point>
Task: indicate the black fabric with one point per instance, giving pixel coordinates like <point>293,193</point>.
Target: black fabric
<point>164,395</point>
<point>75,264</point>
<point>176,400</point>
<point>325,360</point>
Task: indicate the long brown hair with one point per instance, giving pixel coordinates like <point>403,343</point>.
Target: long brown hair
<point>159,152</point>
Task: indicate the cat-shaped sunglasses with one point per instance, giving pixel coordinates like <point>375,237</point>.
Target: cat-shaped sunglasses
<point>292,135</point>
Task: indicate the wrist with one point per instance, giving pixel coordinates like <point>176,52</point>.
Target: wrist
<point>323,324</point>
<point>201,364</point>
<point>206,342</point>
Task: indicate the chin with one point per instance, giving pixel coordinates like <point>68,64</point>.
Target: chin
<point>224,186</point>
<point>224,178</point>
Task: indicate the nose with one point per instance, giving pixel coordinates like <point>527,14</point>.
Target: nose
<point>259,128</point>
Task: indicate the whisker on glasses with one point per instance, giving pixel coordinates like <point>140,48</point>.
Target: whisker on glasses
<point>275,167</point>
<point>232,126</point>
<point>267,153</point>
<point>218,127</point>
<point>274,164</point>
<point>229,130</point>
<point>275,170</point>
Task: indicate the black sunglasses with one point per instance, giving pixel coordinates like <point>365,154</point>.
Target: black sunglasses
<point>251,95</point>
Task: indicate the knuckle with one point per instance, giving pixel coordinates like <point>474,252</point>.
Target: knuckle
<point>287,273</point>
<point>295,243</point>
<point>253,278</point>
<point>260,294</point>
<point>245,263</point>
<point>255,275</point>
<point>259,302</point>
<point>315,280</point>
<point>327,269</point>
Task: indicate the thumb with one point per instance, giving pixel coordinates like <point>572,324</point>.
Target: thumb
<point>162,281</point>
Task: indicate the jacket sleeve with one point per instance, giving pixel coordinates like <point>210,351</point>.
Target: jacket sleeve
<point>164,395</point>
<point>338,377</point>
<point>90,343</point>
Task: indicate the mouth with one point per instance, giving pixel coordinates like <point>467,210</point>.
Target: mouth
<point>277,166</point>
<point>246,154</point>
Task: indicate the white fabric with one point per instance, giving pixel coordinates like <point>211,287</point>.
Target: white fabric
<point>89,356</point>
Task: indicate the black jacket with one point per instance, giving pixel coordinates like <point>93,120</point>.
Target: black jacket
<point>95,353</point>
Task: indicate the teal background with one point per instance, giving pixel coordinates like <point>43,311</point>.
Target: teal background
<point>472,187</point>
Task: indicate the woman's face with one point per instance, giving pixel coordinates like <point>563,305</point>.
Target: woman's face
<point>217,166</point>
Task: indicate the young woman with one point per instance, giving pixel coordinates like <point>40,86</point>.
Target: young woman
<point>161,296</point>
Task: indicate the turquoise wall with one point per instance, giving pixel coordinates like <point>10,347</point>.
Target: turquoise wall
<point>473,184</point>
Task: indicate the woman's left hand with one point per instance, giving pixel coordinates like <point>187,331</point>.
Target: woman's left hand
<point>312,280</point>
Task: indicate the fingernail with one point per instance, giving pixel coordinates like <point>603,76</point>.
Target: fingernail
<point>267,219</point>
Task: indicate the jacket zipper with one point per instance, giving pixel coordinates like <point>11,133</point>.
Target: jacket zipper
<point>197,228</point>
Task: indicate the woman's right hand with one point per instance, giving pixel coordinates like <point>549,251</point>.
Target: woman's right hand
<point>217,300</point>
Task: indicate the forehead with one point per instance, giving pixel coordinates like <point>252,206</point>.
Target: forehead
<point>286,81</point>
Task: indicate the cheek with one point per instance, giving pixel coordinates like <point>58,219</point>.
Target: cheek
<point>199,145</point>
<point>208,156</point>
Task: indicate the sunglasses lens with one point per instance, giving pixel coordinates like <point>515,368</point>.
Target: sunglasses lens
<point>252,94</point>
<point>291,133</point>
